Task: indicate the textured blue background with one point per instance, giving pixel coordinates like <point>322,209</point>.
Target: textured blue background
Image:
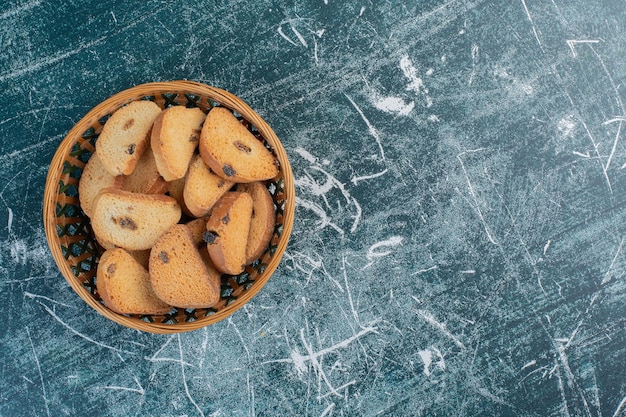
<point>458,248</point>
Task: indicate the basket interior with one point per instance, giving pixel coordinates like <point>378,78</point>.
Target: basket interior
<point>82,252</point>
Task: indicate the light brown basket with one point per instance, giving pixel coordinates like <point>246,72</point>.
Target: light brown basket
<point>68,229</point>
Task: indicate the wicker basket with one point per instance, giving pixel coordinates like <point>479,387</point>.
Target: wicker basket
<point>68,229</point>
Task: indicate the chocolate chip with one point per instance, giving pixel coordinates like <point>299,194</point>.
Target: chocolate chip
<point>127,223</point>
<point>242,147</point>
<point>128,124</point>
<point>131,149</point>
<point>209,237</point>
<point>163,256</point>
<point>228,170</point>
<point>111,269</point>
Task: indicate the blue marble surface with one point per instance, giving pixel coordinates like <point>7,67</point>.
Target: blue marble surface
<point>459,243</point>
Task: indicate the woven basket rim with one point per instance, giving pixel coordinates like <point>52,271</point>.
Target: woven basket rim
<point>106,107</point>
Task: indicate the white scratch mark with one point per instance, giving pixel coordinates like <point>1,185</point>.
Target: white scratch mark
<point>299,360</point>
<point>529,364</point>
<point>182,374</point>
<point>328,410</point>
<point>309,266</point>
<point>243,343</point>
<point>345,278</point>
<point>306,155</point>
<point>476,205</point>
<point>427,359</point>
<point>333,181</point>
<point>46,61</point>
<point>155,357</point>
<point>164,26</point>
<point>317,209</point>
<point>569,375</point>
<point>357,217</point>
<point>617,135</point>
<point>573,42</point>
<point>313,358</point>
<point>373,253</point>
<point>356,180</point>
<point>43,385</point>
<point>440,326</point>
<point>546,246</point>
<point>336,390</point>
<point>320,189</point>
<point>614,120</point>
<point>22,152</point>
<point>298,35</point>
<point>77,333</point>
<point>113,16</point>
<point>573,335</point>
<point>33,296</point>
<point>370,127</point>
<point>607,275</point>
<point>584,155</point>
<point>9,221</point>
<point>475,50</point>
<point>250,395</point>
<point>140,390</point>
<point>287,38</point>
<point>620,407</point>
<point>314,186</point>
<point>595,146</point>
<point>421,271</point>
<point>530,19</point>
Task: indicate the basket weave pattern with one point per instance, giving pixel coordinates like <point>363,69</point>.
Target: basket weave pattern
<point>68,229</point>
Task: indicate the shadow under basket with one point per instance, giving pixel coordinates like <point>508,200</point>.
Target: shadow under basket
<point>68,229</point>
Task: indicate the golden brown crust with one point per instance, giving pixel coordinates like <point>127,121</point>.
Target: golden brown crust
<point>227,232</point>
<point>145,178</point>
<point>133,221</point>
<point>197,228</point>
<point>125,136</point>
<point>94,179</point>
<point>232,151</point>
<point>124,285</point>
<point>263,219</point>
<point>176,190</point>
<point>174,138</point>
<point>203,188</point>
<point>178,273</point>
